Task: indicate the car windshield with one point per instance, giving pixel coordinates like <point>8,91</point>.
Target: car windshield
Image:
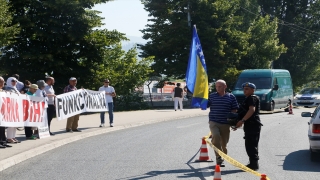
<point>261,83</point>
<point>310,91</point>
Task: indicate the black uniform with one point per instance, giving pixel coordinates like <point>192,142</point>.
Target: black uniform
<point>252,127</point>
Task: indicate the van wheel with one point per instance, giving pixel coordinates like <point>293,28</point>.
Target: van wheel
<point>271,107</point>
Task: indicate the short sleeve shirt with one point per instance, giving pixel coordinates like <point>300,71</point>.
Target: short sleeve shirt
<point>220,106</point>
<point>108,89</point>
<point>49,90</point>
<point>252,101</point>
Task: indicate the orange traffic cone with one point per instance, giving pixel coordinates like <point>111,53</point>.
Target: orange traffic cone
<point>290,109</point>
<point>204,152</point>
<point>263,177</point>
<point>217,173</point>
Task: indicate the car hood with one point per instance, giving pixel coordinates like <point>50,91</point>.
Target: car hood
<point>307,95</point>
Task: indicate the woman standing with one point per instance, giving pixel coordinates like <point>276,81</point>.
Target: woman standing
<point>11,131</point>
<point>3,139</point>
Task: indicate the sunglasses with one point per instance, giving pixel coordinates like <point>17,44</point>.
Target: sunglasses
<point>13,81</point>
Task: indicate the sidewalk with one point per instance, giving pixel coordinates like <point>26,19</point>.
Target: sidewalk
<point>89,124</point>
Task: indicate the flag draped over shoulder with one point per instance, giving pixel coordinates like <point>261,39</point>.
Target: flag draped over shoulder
<point>196,76</point>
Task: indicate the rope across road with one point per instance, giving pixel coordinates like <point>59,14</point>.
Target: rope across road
<point>230,159</point>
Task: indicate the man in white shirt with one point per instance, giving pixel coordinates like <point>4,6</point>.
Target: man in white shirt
<point>110,93</point>
<point>19,85</point>
<point>51,110</point>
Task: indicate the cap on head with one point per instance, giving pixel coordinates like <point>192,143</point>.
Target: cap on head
<point>41,83</point>
<point>72,79</point>
<point>248,84</point>
<point>33,86</point>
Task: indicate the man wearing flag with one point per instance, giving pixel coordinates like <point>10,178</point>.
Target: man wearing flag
<point>220,103</point>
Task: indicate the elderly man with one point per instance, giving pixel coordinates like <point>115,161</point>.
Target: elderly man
<point>220,103</point>
<point>72,122</point>
<point>19,85</point>
<point>252,124</point>
<point>51,110</point>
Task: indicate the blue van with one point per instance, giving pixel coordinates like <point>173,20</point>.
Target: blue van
<point>274,87</point>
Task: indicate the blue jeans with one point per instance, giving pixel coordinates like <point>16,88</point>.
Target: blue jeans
<point>110,107</point>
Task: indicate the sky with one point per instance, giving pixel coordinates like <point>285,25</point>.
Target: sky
<point>126,16</point>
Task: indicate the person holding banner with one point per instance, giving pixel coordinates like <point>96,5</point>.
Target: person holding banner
<point>11,131</point>
<point>72,122</point>
<point>3,138</point>
<point>110,93</point>
<point>28,130</point>
<point>51,95</point>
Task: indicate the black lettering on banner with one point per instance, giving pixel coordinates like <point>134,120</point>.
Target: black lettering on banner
<point>79,100</point>
<point>65,105</point>
<point>71,104</point>
<point>59,105</point>
<point>75,103</point>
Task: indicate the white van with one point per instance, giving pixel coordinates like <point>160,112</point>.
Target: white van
<point>313,132</point>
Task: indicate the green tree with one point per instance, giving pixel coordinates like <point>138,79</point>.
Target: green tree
<point>55,36</point>
<point>299,31</point>
<point>8,30</point>
<point>229,31</point>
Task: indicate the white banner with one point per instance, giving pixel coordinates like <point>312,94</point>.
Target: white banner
<point>22,110</point>
<point>79,101</point>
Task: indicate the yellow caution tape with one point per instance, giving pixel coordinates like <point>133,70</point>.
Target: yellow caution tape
<point>231,160</point>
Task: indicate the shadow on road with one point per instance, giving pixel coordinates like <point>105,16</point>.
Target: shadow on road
<point>187,173</point>
<point>300,161</point>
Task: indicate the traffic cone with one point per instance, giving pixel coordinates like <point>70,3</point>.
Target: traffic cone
<point>290,109</point>
<point>263,177</point>
<point>217,173</point>
<point>204,152</point>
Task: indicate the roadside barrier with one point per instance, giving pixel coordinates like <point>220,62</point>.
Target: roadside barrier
<point>217,173</point>
<point>233,161</point>
<point>204,156</point>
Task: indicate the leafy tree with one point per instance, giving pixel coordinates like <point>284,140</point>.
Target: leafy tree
<point>55,36</point>
<point>8,31</point>
<point>299,31</point>
<point>230,34</point>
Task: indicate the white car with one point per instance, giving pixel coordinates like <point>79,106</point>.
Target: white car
<point>314,132</point>
<point>308,97</point>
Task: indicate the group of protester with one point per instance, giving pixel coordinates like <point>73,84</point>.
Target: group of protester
<point>44,88</point>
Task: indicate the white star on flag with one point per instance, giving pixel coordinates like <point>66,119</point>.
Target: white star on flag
<point>201,53</point>
<point>198,46</point>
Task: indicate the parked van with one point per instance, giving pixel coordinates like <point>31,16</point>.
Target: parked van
<point>274,87</point>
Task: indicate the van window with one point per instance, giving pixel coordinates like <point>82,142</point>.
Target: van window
<point>284,82</point>
<point>261,83</point>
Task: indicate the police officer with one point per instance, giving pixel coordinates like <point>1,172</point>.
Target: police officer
<point>252,124</point>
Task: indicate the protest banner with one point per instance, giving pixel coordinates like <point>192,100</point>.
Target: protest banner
<point>95,101</point>
<point>79,101</point>
<point>18,110</point>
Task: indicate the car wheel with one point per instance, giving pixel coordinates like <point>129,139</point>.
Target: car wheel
<point>313,155</point>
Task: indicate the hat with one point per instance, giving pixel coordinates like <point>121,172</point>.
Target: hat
<point>249,84</point>
<point>41,83</point>
<point>72,79</point>
<point>33,86</point>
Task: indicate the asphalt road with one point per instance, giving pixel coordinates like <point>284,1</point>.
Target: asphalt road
<point>167,150</point>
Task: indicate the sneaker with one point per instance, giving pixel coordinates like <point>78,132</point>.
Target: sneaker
<point>220,162</point>
<point>1,146</point>
<point>101,125</point>
<point>69,131</point>
<point>111,125</point>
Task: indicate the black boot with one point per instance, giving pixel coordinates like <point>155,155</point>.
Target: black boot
<point>254,165</point>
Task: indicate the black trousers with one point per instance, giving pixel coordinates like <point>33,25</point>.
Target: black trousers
<point>3,138</point>
<point>51,111</point>
<point>28,132</point>
<point>252,136</point>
